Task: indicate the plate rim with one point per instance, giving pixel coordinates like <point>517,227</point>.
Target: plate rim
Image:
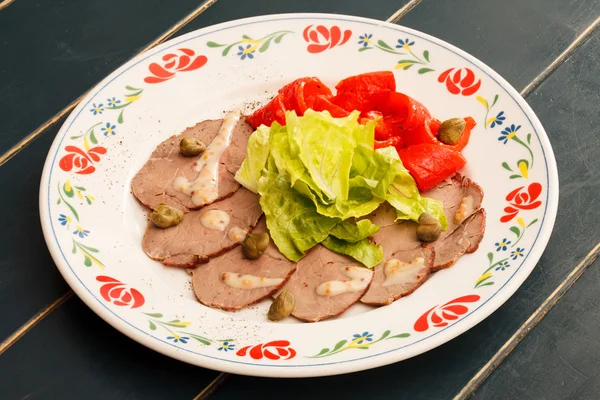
<point>334,368</point>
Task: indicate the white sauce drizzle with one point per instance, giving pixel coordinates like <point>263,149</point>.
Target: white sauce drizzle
<point>204,190</point>
<point>398,272</point>
<point>361,277</point>
<point>464,210</point>
<point>215,219</point>
<point>245,281</point>
<point>237,234</point>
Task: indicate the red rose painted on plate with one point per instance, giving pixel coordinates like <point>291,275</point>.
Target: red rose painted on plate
<point>321,38</point>
<point>278,349</point>
<point>439,316</point>
<point>522,200</point>
<point>81,161</point>
<point>173,63</point>
<point>460,81</point>
<point>119,294</point>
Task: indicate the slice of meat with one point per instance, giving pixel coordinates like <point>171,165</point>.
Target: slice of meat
<point>399,242</point>
<point>154,182</point>
<point>321,265</point>
<point>190,242</point>
<point>213,292</point>
<point>464,239</point>
<point>462,198</point>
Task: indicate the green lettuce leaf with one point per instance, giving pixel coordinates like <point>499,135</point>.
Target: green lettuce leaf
<point>257,152</point>
<point>364,251</point>
<point>354,232</point>
<point>293,221</point>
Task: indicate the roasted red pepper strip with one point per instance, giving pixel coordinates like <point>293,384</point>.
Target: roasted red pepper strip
<point>364,92</point>
<point>300,94</point>
<point>429,164</point>
<point>273,111</point>
<point>322,103</point>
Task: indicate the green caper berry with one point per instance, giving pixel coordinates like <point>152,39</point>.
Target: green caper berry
<point>451,130</point>
<point>429,228</point>
<point>165,216</point>
<point>282,306</point>
<point>190,146</point>
<point>254,245</point>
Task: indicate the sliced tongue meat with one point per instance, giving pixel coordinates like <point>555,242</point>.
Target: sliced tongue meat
<point>154,182</point>
<point>462,199</point>
<point>318,267</point>
<point>190,242</point>
<point>399,242</point>
<point>213,292</point>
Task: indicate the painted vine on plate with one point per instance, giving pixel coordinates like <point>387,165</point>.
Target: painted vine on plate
<point>403,47</point>
<point>247,46</point>
<point>362,341</point>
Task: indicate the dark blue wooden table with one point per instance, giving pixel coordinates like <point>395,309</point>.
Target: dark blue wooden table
<point>542,344</point>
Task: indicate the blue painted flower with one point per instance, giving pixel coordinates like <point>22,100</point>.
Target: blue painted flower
<point>177,339</point>
<point>246,52</point>
<point>365,336</point>
<point>498,119</point>
<point>109,129</point>
<point>508,133</point>
<point>365,39</point>
<point>80,232</point>
<point>404,44</point>
<point>64,219</point>
<point>517,253</point>
<point>226,346</point>
<point>503,245</point>
<point>97,109</point>
<point>502,266</point>
<point>113,102</point>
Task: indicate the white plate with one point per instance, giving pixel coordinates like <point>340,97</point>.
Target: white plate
<point>94,226</point>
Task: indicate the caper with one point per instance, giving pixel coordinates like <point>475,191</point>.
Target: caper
<point>165,216</point>
<point>254,245</point>
<point>190,146</point>
<point>429,228</point>
<point>451,130</point>
<point>282,306</point>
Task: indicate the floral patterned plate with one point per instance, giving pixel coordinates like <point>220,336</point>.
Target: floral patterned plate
<point>94,226</point>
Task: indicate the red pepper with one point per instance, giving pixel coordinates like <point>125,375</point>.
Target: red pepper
<point>364,92</point>
<point>429,164</point>
<point>300,94</point>
<point>273,111</point>
<point>395,141</point>
<point>322,103</point>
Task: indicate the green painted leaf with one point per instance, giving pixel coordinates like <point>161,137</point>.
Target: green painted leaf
<point>532,222</point>
<point>516,231</point>
<point>87,261</point>
<point>426,55</point>
<point>201,339</point>
<point>385,334</point>
<point>154,315</point>
<point>485,284</point>
<point>278,38</point>
<point>362,347</point>
<point>265,46</point>
<point>88,200</point>
<point>505,166</point>
<point>246,37</point>
<point>174,321</point>
<point>424,70</point>
<point>152,325</point>
<point>226,49</point>
<point>406,62</point>
<point>75,137</point>
<point>80,188</point>
<point>384,44</point>
<point>495,100</point>
<point>491,257</point>
<point>74,250</point>
<point>515,176</point>
<point>213,44</point>
<point>69,192</point>
<point>177,324</point>
<point>366,48</point>
<point>93,137</point>
<point>339,344</point>
<point>58,202</point>
<point>483,280</point>
<point>120,119</point>
<point>529,138</point>
<point>131,88</point>
<point>401,336</point>
<point>407,67</point>
<point>325,350</point>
